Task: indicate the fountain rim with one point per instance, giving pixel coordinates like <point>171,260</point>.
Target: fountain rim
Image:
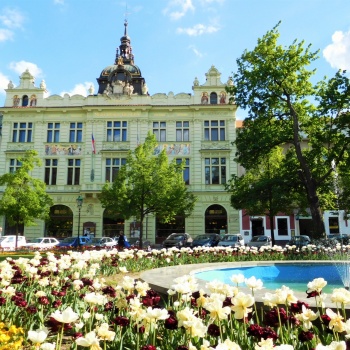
<point>162,279</point>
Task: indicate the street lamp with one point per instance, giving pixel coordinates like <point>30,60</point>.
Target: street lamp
<point>79,204</point>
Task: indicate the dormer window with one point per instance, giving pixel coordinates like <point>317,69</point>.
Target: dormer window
<point>213,98</point>
<point>25,101</point>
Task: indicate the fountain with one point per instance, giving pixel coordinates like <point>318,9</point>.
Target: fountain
<point>343,268</point>
<point>295,275</point>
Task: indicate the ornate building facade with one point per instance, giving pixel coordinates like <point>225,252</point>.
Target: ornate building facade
<point>83,141</point>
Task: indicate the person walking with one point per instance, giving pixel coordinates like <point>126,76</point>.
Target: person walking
<point>121,241</point>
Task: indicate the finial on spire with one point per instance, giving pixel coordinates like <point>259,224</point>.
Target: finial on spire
<point>126,26</point>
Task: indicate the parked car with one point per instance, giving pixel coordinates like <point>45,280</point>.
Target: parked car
<point>342,238</point>
<point>42,243</point>
<point>206,240</point>
<point>135,243</point>
<point>231,240</point>
<point>300,241</point>
<point>101,242</point>
<point>178,240</point>
<point>9,242</point>
<point>260,241</point>
<point>73,242</point>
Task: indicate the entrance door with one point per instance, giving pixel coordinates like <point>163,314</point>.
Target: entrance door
<point>257,227</point>
<point>306,227</point>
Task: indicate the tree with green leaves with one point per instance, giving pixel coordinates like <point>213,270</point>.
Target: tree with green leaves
<point>265,189</point>
<point>24,198</point>
<point>148,184</point>
<point>286,109</point>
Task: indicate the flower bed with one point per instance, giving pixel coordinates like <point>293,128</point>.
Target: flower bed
<point>62,301</point>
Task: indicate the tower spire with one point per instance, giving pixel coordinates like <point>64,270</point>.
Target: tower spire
<point>124,55</point>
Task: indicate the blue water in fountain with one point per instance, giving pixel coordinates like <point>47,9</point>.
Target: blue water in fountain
<point>273,277</point>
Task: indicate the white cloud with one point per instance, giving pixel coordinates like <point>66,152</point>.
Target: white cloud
<point>21,66</point>
<point>338,53</point>
<point>59,2</point>
<point>198,29</point>
<point>6,34</point>
<point>4,80</point>
<point>195,51</point>
<point>185,6</point>
<point>79,89</point>
<point>11,18</point>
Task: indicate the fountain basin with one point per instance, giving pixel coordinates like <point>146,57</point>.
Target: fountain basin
<point>162,279</point>
<point>295,276</point>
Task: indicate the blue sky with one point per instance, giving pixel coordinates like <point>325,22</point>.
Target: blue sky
<point>68,42</point>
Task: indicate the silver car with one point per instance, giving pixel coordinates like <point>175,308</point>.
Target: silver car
<point>102,242</point>
<point>231,240</point>
<point>259,241</point>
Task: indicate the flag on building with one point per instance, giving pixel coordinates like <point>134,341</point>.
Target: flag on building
<point>93,144</point>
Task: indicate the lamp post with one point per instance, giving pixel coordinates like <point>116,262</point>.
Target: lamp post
<point>79,204</point>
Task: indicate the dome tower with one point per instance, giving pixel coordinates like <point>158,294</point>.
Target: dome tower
<point>123,77</point>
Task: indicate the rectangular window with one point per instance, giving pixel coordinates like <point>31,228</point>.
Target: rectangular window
<point>186,169</point>
<point>159,129</point>
<point>117,131</point>
<point>182,131</point>
<point>76,132</point>
<point>333,224</point>
<point>214,130</point>
<point>53,132</point>
<point>282,226</point>
<point>113,165</point>
<point>73,175</point>
<point>22,132</point>
<point>15,164</point>
<point>51,166</point>
<point>215,171</point>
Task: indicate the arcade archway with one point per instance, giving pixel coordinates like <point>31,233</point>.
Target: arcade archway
<point>60,223</point>
<point>113,223</point>
<point>164,229</point>
<point>215,219</point>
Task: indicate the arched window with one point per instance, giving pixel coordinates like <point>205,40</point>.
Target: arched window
<point>25,101</point>
<point>213,98</point>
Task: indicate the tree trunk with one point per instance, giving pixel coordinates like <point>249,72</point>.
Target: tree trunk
<point>272,229</point>
<point>141,230</point>
<point>307,179</point>
<point>16,240</point>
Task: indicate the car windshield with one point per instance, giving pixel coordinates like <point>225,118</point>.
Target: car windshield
<point>201,237</point>
<point>95,240</point>
<point>36,240</point>
<point>300,238</point>
<point>256,239</point>
<point>177,237</point>
<point>69,240</point>
<point>230,238</point>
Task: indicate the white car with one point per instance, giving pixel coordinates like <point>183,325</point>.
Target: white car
<point>9,242</point>
<point>42,243</point>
